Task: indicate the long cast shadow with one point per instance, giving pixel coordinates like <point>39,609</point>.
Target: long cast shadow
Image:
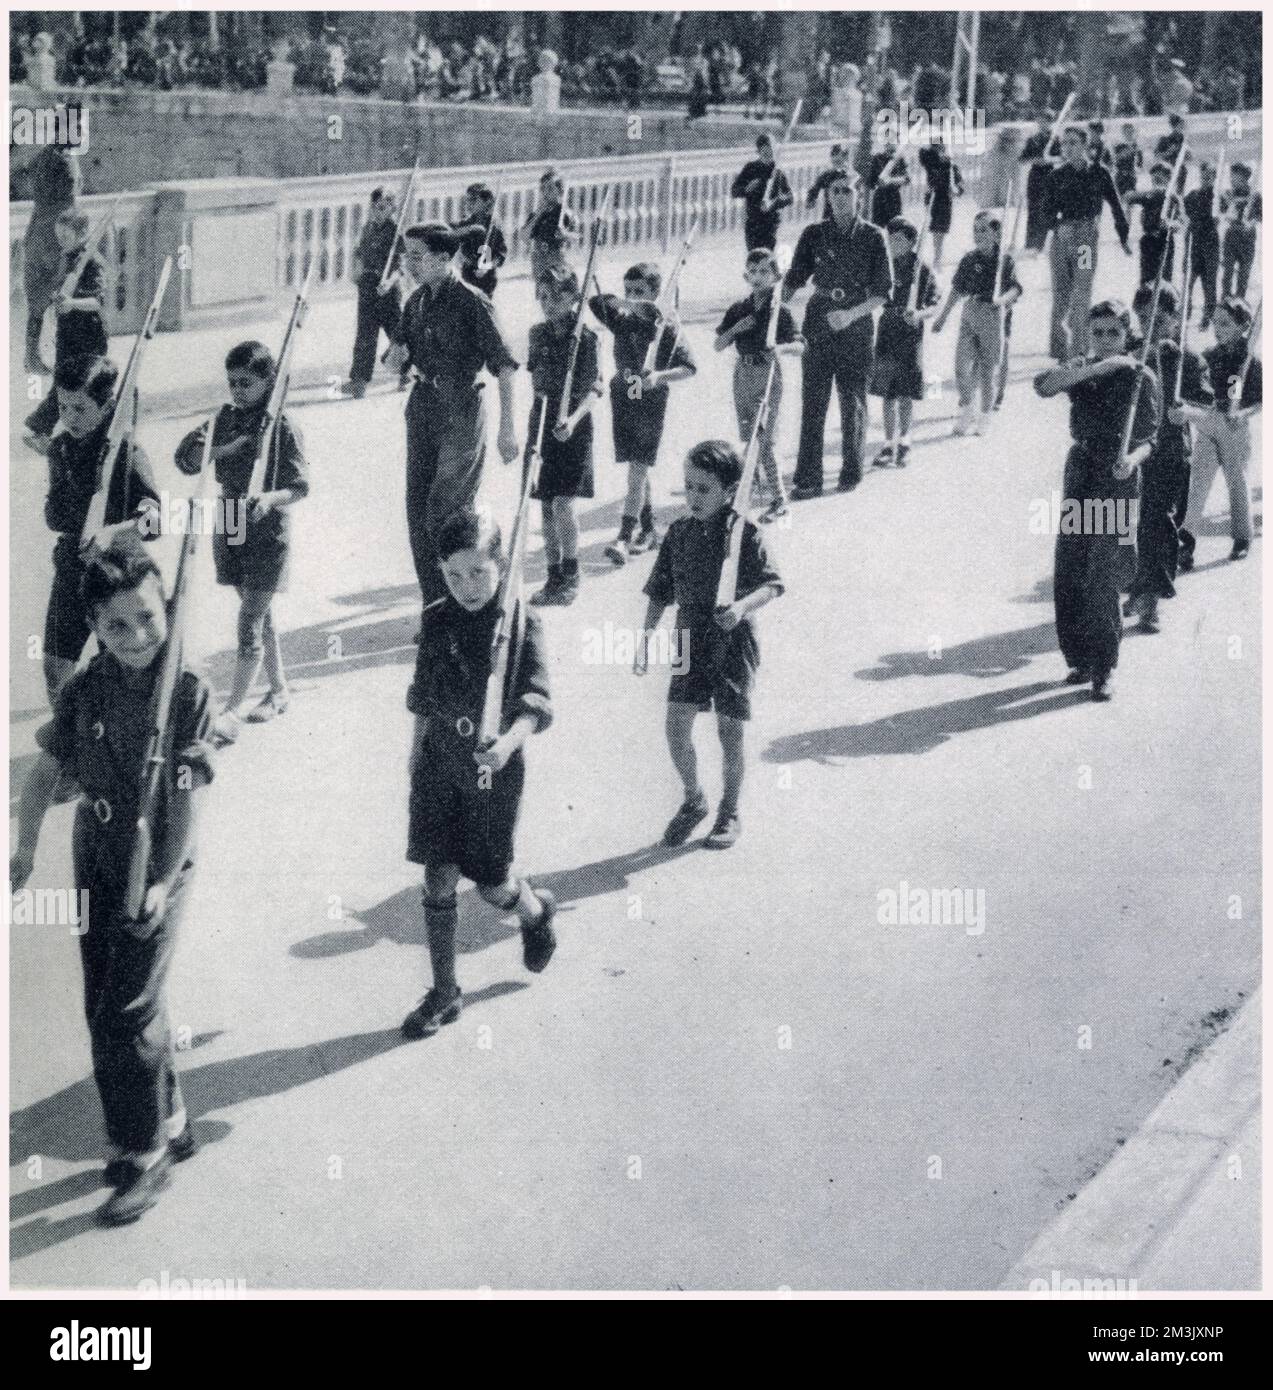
<point>984,657</point>
<point>921,730</point>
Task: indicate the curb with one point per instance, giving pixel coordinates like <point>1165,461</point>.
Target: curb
<point>1132,1206</point>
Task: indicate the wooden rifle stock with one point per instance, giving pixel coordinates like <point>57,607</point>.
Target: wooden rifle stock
<point>387,275</point>
<point>773,177</point>
<point>278,391</point>
<point>576,334</point>
<point>668,299</point>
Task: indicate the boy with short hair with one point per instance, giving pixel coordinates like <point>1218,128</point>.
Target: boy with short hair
<point>1245,210</point>
<point>551,227</point>
<point>989,291</point>
<point>638,400</point>
<point>81,325</point>
<point>1202,211</point>
<point>1129,160</point>
<point>99,738</point>
<point>746,327</point>
<point>1157,245</point>
<point>465,798</point>
<point>722,649</point>
<point>379,248</point>
<point>482,246</point>
<point>897,375</point>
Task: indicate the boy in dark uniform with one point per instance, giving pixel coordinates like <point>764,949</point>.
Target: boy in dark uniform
<point>764,191</point>
<point>85,387</point>
<point>566,462</point>
<point>482,246</point>
<point>847,259</point>
<point>1157,245</point>
<point>81,328</point>
<point>253,558</point>
<point>839,163</point>
<point>465,798</point>
<point>1204,238</point>
<point>1129,160</point>
<point>718,645</point>
<point>1091,552</point>
<point>378,306</point>
<point>944,183</point>
<point>1164,495</point>
<point>885,189</point>
<point>1223,438</point>
<point>99,737</point>
<point>1245,211</point>
<point>746,328</point>
<point>1037,154</point>
<point>897,375</point>
<point>551,227</point>
<point>638,401</point>
<point>449,332</point>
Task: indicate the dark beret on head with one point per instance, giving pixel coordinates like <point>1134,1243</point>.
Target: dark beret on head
<point>437,237</point>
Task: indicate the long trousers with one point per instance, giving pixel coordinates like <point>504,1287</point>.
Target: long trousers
<point>446,448</point>
<point>375,312</point>
<point>978,352</point>
<point>749,390</point>
<point>1221,447</point>
<point>1153,245</point>
<point>1164,501</point>
<point>1237,259</point>
<point>1204,267</point>
<point>826,364</point>
<point>1073,271</point>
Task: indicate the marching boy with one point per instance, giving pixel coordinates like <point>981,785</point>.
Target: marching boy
<point>482,246</point>
<point>379,248</point>
<point>638,400</point>
<point>81,327</point>
<point>897,375</point>
<point>465,798</point>
<point>1245,210</point>
<point>724,655</point>
<point>99,737</point>
<point>746,327</point>
<point>552,227</point>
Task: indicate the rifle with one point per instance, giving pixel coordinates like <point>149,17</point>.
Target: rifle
<point>98,232</point>
<point>119,431</point>
<point>1058,123</point>
<point>386,279</point>
<point>278,392</point>
<point>510,595</point>
<point>727,585</point>
<point>1185,306</point>
<point>1238,385</point>
<point>668,300</point>
<point>912,297</point>
<point>485,263</point>
<point>577,332</point>
<point>791,130</point>
<point>158,736</point>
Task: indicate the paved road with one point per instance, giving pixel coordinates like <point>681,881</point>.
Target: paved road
<point>733,1075</point>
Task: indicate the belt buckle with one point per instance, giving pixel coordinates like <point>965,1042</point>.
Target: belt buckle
<point>102,810</point>
<point>839,294</point>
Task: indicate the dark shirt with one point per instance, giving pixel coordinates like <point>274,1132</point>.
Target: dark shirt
<point>944,178</point>
<point>1201,208</point>
<point>453,665</point>
<point>1195,389</point>
<point>548,227</point>
<point>1098,153</point>
<point>1242,204</point>
<point>886,200</point>
<point>1128,160</point>
<point>286,469</point>
<point>549,357</point>
<point>757,217</point>
<point>751,342</point>
<point>55,180</point>
<point>1035,148</point>
<point>473,236</point>
<point>452,333</point>
<point>852,263</point>
<point>687,569</point>
<point>99,735</point>
<point>820,185</point>
<point>975,276</point>
<point>82,332</point>
<point>1150,203</point>
<point>634,323</point>
<point>1166,150</point>
<point>1071,195</point>
<point>377,246</point>
<point>895,332</point>
<point>1098,412</point>
<point>74,468</point>
<point>1225,367</point>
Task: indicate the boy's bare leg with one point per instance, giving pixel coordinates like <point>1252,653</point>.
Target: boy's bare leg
<point>731,741</point>
<point>680,744</point>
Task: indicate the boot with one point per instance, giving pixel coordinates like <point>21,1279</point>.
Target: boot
<point>548,594</point>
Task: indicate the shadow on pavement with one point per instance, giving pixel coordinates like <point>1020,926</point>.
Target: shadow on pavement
<point>995,655</point>
<point>922,730</point>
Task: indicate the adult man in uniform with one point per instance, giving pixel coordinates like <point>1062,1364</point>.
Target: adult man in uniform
<point>448,333</point>
<point>848,261</point>
<point>1072,199</point>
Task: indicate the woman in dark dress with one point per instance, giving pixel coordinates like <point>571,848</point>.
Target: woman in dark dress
<point>944,182</point>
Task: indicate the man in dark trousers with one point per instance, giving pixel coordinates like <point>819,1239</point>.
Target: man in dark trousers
<point>1072,199</point>
<point>378,305</point>
<point>847,259</point>
<point>765,191</point>
<point>448,333</point>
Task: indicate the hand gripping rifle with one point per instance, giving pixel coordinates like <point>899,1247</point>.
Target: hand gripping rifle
<point>90,246</point>
<point>122,417</point>
<point>767,197</point>
<point>485,261</point>
<point>727,587</point>
<point>159,735</point>
<point>1238,385</point>
<point>388,274</point>
<point>668,300</point>
<point>576,334</point>
<point>278,392</point>
<point>510,596</point>
<point>912,297</point>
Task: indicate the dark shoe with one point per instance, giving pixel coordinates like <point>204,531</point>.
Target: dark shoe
<point>1129,606</point>
<point>805,494</point>
<point>681,826</point>
<point>1078,676</point>
<point>548,594</point>
<point>116,1171</point>
<point>725,832</point>
<point>884,457</point>
<point>137,1192</point>
<point>271,705</point>
<point>568,589</point>
<point>226,728</point>
<point>1102,689</point>
<point>356,389</point>
<point>1241,549</point>
<point>539,941</point>
<point>184,1146</point>
<point>847,483</point>
<point>1184,560</point>
<point>1147,607</point>
<point>617,551</point>
<point>903,455</point>
<point>431,1013</point>
<point>643,542</point>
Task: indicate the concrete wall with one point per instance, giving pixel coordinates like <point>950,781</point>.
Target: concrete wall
<point>136,137</point>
